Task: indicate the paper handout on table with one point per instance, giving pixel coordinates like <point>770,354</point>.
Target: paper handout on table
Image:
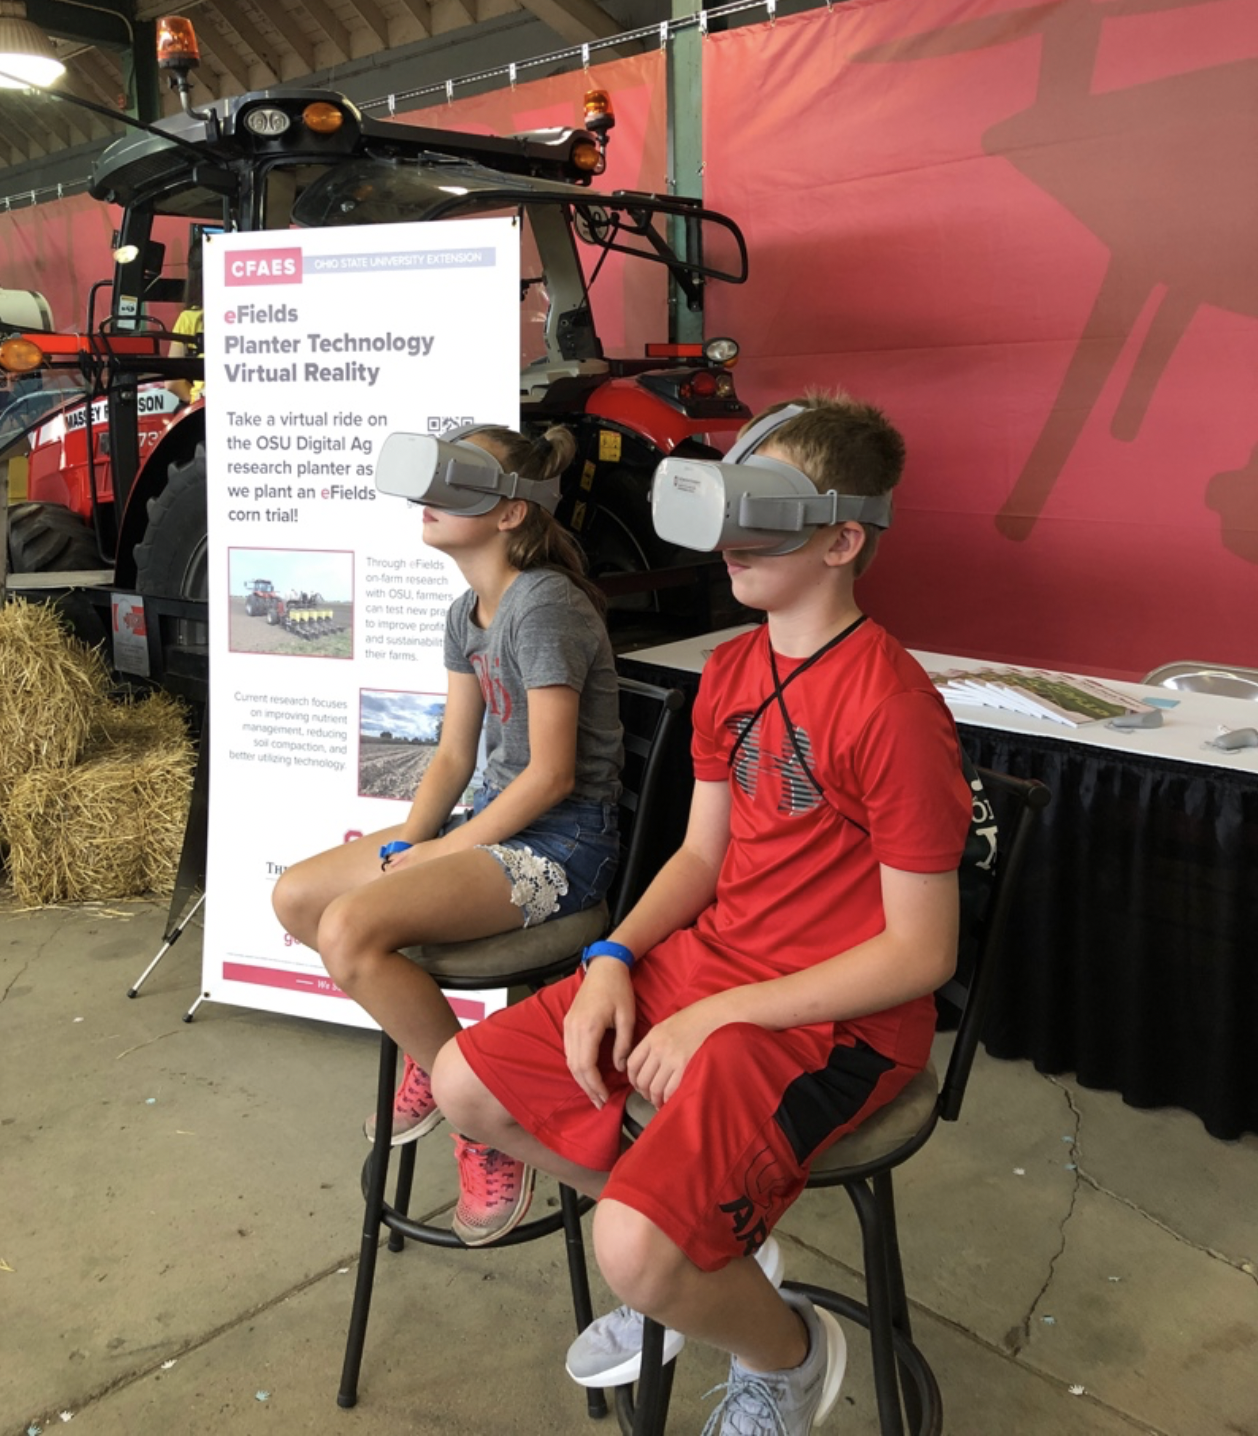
<point>1062,697</point>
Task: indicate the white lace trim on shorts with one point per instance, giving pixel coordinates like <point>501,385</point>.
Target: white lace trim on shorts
<point>537,883</point>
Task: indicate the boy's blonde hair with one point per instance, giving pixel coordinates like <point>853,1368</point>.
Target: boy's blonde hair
<point>540,541</point>
<point>842,444</point>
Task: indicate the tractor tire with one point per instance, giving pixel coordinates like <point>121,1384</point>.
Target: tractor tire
<point>250,610</point>
<point>46,538</point>
<point>272,616</point>
<point>171,559</point>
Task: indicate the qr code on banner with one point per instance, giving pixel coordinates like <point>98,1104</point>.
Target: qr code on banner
<point>442,423</point>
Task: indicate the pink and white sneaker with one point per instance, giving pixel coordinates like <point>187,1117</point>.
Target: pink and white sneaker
<point>415,1113</point>
<point>494,1193</point>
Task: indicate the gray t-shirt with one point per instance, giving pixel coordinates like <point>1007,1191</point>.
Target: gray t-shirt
<point>546,632</point>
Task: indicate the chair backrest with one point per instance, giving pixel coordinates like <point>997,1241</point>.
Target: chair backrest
<point>649,716</point>
<point>1223,680</point>
<point>1014,804</point>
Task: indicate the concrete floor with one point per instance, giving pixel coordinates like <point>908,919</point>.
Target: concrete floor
<point>179,1219</point>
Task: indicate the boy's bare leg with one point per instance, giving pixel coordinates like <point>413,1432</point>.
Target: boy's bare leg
<point>449,899</point>
<point>476,1112</point>
<point>736,1308</point>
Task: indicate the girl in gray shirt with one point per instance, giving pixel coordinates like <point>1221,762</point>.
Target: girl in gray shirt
<point>530,664</point>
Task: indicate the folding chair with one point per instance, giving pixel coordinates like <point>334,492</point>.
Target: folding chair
<point>862,1163</point>
<point>526,958</point>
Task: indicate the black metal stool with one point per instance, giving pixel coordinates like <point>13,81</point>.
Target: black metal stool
<point>525,958</point>
<point>862,1163</point>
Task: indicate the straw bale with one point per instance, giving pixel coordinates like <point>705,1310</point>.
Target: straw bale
<point>51,687</point>
<point>158,720</point>
<point>111,827</point>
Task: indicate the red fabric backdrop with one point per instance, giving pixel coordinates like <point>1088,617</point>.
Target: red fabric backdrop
<point>58,249</point>
<point>1028,233</point>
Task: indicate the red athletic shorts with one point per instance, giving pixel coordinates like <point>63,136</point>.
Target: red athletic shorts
<point>729,1152</point>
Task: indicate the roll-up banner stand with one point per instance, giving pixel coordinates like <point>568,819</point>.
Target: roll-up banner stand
<point>327,683</point>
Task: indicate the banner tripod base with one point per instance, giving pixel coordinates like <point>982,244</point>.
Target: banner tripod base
<point>190,876</point>
<point>171,937</point>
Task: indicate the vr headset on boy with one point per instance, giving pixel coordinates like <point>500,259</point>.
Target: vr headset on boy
<point>451,474</point>
<point>748,501</point>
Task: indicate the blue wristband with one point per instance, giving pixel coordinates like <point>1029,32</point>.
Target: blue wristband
<point>390,849</point>
<point>606,949</point>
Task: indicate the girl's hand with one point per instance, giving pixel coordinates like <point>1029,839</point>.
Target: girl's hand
<point>658,1063</point>
<point>604,1003</point>
<point>416,853</point>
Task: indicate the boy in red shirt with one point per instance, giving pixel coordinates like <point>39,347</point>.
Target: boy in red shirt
<point>773,986</point>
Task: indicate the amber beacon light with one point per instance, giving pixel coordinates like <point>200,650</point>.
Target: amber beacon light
<point>600,116</point>
<point>177,47</point>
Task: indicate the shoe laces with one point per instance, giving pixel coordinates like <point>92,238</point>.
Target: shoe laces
<point>484,1172</point>
<point>750,1397</point>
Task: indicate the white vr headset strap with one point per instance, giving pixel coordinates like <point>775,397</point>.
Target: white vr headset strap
<point>760,431</point>
<point>781,513</point>
<point>482,480</point>
<point>790,514</point>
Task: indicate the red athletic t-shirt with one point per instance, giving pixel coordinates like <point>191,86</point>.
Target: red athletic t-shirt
<point>800,879</point>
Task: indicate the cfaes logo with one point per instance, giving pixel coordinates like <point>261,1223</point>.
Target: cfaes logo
<point>263,266</point>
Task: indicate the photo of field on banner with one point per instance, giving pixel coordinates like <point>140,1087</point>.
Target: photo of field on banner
<point>327,610</point>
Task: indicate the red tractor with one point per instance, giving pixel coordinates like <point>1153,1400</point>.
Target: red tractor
<point>304,614</point>
<point>117,471</point>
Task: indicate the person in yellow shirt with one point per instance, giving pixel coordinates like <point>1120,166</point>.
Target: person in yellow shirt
<point>191,323</point>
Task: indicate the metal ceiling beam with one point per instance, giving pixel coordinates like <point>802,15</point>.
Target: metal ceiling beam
<point>75,83</point>
<point>420,11</point>
<point>109,75</point>
<point>373,17</point>
<point>293,35</point>
<point>228,56</point>
<point>9,153</point>
<point>323,16</point>
<point>85,72</point>
<point>234,14</point>
<point>574,21</point>
<point>29,125</point>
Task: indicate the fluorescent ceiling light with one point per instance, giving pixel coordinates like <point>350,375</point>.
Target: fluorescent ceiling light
<point>26,54</point>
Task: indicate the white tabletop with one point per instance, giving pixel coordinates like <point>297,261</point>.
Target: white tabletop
<point>1182,736</point>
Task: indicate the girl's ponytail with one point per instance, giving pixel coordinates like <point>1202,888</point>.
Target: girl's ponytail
<point>541,541</point>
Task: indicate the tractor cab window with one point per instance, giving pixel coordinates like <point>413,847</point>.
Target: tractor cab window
<point>26,400</point>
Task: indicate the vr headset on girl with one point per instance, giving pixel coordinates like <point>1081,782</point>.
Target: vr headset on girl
<point>748,501</point>
<point>451,474</point>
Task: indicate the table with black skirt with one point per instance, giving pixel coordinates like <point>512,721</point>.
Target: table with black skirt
<point>1137,960</point>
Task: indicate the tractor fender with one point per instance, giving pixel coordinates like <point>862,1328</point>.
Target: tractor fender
<point>176,446</point>
<point>624,404</point>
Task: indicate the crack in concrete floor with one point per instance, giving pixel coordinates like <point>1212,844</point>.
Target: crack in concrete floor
<point>1018,1337</point>
<point>1240,1264</point>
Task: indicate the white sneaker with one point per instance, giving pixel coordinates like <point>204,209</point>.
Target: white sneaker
<point>609,1351</point>
<point>785,1403</point>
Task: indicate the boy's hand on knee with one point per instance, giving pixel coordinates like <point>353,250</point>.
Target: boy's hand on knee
<point>658,1063</point>
<point>604,1003</point>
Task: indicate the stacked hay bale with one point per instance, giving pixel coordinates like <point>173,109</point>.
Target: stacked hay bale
<point>93,792</point>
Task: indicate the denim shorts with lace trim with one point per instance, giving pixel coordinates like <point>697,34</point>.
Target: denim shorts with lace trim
<point>563,861</point>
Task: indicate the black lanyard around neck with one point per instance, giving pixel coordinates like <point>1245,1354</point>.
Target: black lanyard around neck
<point>779,689</point>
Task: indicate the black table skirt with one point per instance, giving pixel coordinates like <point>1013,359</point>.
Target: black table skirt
<point>1134,956</point>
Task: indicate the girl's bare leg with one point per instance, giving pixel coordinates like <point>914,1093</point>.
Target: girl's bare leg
<point>452,898</point>
<point>306,888</point>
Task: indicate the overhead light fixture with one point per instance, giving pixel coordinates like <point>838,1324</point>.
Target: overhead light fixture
<point>26,54</point>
